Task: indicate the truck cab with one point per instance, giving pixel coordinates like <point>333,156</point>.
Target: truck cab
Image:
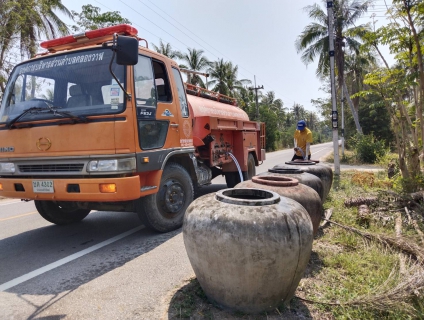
<point>84,127</point>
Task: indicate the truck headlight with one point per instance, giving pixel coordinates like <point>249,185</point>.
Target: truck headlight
<point>7,167</point>
<point>128,164</point>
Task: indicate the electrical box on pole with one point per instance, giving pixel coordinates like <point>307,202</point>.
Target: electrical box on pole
<point>334,114</point>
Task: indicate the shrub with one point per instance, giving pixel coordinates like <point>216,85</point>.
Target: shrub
<point>367,148</point>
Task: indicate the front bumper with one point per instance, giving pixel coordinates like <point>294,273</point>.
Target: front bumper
<point>127,188</point>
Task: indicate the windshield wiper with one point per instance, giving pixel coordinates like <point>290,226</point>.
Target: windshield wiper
<point>11,122</point>
<point>68,114</point>
<point>50,109</point>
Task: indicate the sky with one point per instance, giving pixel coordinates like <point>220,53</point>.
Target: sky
<point>258,36</point>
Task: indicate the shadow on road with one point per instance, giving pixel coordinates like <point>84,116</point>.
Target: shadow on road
<point>30,250</point>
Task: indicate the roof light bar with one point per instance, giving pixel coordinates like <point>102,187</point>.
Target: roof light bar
<point>122,29</point>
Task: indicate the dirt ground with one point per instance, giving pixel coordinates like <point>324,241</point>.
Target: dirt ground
<point>190,302</point>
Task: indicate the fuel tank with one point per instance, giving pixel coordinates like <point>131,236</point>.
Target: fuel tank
<point>202,107</point>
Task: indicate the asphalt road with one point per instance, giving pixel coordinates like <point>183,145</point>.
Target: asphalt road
<point>106,267</point>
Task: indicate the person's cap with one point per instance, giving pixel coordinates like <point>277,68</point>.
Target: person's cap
<point>301,125</point>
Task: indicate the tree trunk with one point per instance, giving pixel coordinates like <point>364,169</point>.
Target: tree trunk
<point>402,153</point>
<point>420,67</point>
<point>352,108</point>
<point>405,114</point>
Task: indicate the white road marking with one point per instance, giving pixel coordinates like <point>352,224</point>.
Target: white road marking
<point>21,215</point>
<point>322,149</point>
<point>5,203</point>
<point>35,273</point>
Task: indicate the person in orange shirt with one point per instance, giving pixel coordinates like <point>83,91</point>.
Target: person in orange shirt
<point>302,142</point>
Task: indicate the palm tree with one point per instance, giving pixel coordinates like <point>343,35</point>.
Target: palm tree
<point>234,85</point>
<point>314,39</point>
<point>196,62</point>
<point>218,74</point>
<point>246,101</point>
<point>298,112</point>
<point>276,106</point>
<point>357,66</point>
<point>166,50</point>
<point>37,18</point>
<point>25,22</point>
<point>224,78</point>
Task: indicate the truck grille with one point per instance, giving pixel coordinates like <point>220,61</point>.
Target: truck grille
<point>71,167</point>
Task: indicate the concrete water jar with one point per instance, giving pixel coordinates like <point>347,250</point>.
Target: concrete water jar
<point>313,167</point>
<point>303,177</point>
<point>248,247</point>
<point>290,188</point>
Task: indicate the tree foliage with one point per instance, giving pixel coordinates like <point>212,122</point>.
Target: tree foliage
<point>166,50</point>
<point>90,18</point>
<point>400,88</point>
<point>22,25</point>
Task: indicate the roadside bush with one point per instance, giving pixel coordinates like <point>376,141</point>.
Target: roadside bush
<point>408,185</point>
<point>367,148</point>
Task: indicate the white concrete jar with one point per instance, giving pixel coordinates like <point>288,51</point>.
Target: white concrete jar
<point>248,247</point>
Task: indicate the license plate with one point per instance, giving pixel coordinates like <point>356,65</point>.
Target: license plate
<point>42,186</point>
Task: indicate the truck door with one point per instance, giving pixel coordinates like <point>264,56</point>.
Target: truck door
<point>167,109</point>
<point>185,125</point>
<point>156,112</point>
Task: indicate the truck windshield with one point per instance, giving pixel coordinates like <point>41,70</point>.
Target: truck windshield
<point>70,85</point>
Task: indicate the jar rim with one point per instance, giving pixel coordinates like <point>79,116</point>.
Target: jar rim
<point>302,162</point>
<point>248,196</point>
<point>276,181</point>
<point>281,170</point>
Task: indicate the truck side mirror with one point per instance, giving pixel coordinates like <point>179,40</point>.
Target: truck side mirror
<point>126,50</point>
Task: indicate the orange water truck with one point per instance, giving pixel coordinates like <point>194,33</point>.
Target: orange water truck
<point>98,122</point>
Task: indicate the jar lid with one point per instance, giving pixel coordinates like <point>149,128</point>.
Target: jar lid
<point>301,162</point>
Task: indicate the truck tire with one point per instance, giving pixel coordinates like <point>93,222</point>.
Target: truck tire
<point>164,211</point>
<point>60,214</point>
<point>233,178</point>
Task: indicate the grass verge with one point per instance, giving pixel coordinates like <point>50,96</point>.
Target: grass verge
<point>350,275</point>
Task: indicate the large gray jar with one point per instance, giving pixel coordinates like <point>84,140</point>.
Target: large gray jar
<point>322,171</point>
<point>248,247</point>
<point>290,188</point>
<point>303,177</point>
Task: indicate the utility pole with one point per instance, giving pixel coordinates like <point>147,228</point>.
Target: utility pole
<point>343,138</point>
<point>334,115</point>
<point>256,95</point>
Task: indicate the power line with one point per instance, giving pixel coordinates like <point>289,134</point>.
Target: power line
<point>284,96</point>
<point>174,25</point>
<point>137,12</point>
<point>136,23</point>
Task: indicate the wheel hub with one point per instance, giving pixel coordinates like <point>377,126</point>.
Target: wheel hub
<point>173,197</point>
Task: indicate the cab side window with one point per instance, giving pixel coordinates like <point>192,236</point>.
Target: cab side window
<point>149,75</point>
<point>163,88</point>
<point>144,84</point>
<point>181,92</point>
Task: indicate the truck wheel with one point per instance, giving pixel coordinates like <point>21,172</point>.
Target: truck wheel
<point>233,178</point>
<point>164,211</point>
<point>60,213</point>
